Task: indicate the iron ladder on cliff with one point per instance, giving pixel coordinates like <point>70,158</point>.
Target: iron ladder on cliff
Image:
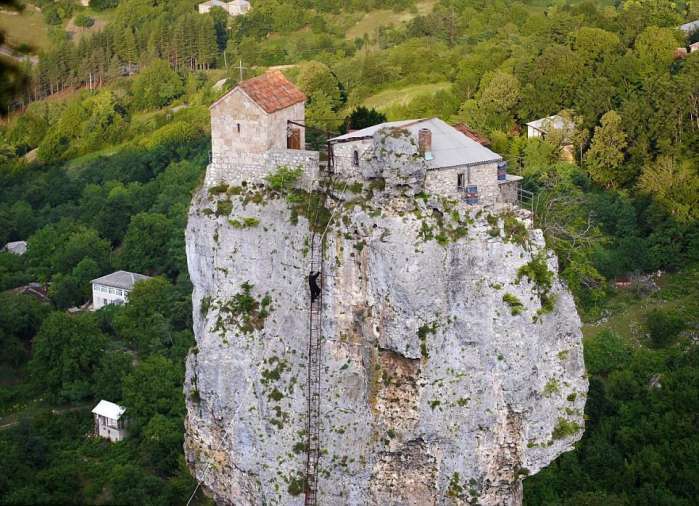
<point>314,356</point>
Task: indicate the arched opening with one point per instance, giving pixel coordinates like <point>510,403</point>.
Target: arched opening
<point>355,158</point>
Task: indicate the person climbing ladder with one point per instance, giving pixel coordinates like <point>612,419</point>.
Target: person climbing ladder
<point>313,284</point>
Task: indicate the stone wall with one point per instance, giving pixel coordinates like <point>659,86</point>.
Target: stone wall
<point>438,181</point>
<point>343,153</point>
<point>239,125</point>
<point>444,182</point>
<point>252,167</point>
<point>509,190</point>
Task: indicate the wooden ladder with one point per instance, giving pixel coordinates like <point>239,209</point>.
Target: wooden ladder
<point>313,385</point>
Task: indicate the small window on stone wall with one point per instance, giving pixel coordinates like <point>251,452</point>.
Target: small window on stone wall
<point>460,182</point>
<point>238,127</point>
<point>355,158</point>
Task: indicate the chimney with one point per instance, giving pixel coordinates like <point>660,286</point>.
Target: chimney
<point>424,142</point>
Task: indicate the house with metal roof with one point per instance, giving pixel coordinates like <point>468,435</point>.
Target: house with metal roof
<point>234,8</point>
<point>16,247</point>
<point>458,166</point>
<point>110,422</point>
<point>542,127</point>
<point>114,288</point>
<point>691,27</point>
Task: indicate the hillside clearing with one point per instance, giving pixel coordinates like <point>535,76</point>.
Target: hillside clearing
<point>403,96</point>
<point>371,21</point>
<point>26,27</point>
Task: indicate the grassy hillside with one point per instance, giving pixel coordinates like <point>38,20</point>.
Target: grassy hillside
<point>26,27</point>
<point>388,99</point>
<point>373,20</point>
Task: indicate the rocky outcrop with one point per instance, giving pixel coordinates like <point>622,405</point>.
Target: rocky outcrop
<point>452,355</point>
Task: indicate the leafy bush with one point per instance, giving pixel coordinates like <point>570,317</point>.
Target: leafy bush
<point>663,327</point>
<point>172,135</point>
<point>157,85</point>
<point>605,352</point>
<point>83,21</point>
<point>284,178</point>
<point>515,304</point>
<point>565,428</point>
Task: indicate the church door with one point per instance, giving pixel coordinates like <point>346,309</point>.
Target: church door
<point>293,138</point>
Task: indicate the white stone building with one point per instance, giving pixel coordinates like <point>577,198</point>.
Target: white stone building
<point>258,126</point>
<point>234,8</point>
<point>16,247</point>
<point>458,166</point>
<point>110,422</point>
<point>114,288</point>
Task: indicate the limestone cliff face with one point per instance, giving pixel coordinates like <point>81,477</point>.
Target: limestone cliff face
<point>451,369</point>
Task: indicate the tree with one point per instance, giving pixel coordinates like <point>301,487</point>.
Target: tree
<point>499,92</point>
<point>144,321</point>
<point>156,86</point>
<point>113,367</point>
<point>101,5</point>
<point>361,117</point>
<point>66,353</point>
<point>315,78</point>
<point>20,319</point>
<point>154,387</point>
<point>674,185</point>
<point>320,113</point>
<point>146,246</point>
<point>74,289</point>
<point>663,327</point>
<point>606,154</point>
<point>162,443</point>
<point>83,21</point>
<point>655,48</point>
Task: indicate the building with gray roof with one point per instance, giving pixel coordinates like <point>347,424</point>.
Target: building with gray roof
<point>114,288</point>
<point>691,27</point>
<point>16,247</point>
<point>458,166</point>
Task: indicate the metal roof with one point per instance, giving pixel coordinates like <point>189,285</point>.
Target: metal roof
<point>556,122</point>
<point>690,27</point>
<point>109,410</point>
<point>450,148</point>
<point>16,247</point>
<point>121,279</point>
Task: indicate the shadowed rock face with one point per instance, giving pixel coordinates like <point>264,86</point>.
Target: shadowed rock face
<point>433,391</point>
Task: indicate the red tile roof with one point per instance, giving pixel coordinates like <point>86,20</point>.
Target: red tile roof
<point>272,91</point>
<point>472,134</point>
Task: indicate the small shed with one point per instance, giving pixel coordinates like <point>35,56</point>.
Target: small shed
<point>541,127</point>
<point>110,422</point>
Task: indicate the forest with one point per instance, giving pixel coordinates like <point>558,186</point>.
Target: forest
<point>110,138</point>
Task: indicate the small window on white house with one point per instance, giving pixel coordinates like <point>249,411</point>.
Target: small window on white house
<point>355,158</point>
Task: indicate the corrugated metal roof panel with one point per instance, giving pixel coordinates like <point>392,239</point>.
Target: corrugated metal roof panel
<point>450,148</point>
